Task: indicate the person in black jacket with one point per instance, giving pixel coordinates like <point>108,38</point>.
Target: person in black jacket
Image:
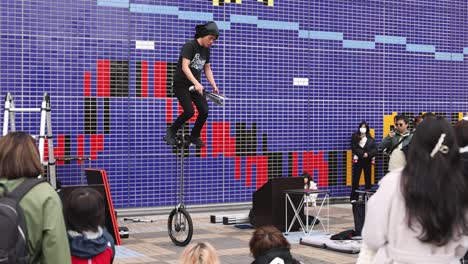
<point>268,246</point>
<point>364,149</point>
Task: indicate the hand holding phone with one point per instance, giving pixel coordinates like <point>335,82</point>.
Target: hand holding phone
<point>392,131</point>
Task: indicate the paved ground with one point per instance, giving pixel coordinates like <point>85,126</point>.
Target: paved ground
<point>150,243</point>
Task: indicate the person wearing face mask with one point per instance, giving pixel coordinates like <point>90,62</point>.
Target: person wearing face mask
<point>364,149</point>
<point>194,58</point>
<point>396,141</point>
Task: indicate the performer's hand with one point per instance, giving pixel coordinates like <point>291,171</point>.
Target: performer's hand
<point>215,90</point>
<point>199,88</point>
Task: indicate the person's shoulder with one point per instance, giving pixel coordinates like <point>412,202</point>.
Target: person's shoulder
<point>42,193</point>
<point>391,179</point>
<point>189,44</point>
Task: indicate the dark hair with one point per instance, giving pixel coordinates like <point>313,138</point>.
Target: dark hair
<point>209,28</point>
<point>356,137</point>
<point>417,120</point>
<point>428,115</point>
<point>461,132</point>
<point>265,238</point>
<point>307,176</point>
<point>19,156</point>
<point>401,117</point>
<point>434,188</point>
<point>84,210</point>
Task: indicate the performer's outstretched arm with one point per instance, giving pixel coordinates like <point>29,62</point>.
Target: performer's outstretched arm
<point>210,77</point>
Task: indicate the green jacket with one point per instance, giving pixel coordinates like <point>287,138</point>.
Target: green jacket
<point>47,237</point>
<point>389,142</point>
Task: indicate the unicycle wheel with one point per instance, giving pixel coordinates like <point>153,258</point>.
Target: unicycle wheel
<point>180,227</point>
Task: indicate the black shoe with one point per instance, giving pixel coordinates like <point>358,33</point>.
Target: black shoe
<point>170,137</point>
<point>197,142</point>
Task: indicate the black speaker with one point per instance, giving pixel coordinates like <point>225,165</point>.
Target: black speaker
<point>269,203</point>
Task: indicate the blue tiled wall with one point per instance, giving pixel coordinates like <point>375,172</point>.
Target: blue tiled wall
<point>363,60</point>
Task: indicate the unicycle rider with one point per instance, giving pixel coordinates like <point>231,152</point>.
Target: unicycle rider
<point>194,57</point>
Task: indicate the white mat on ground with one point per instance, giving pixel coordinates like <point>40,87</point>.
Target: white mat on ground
<point>324,241</point>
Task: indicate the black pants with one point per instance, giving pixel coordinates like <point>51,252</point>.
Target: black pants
<point>185,98</point>
<point>362,164</point>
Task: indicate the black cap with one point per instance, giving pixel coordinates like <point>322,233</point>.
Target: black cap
<point>209,28</point>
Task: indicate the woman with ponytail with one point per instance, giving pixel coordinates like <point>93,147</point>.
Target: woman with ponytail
<point>194,57</point>
<point>419,213</point>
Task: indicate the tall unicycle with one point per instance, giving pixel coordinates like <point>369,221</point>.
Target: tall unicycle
<point>179,224</point>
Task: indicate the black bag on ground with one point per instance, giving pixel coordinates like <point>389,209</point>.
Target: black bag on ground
<point>359,214</point>
<point>14,236</point>
<point>344,235</point>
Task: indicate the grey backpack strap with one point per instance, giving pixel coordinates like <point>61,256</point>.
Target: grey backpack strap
<point>24,188</point>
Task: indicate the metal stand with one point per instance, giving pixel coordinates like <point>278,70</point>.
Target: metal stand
<point>180,225</point>
<point>46,123</point>
<point>317,209</point>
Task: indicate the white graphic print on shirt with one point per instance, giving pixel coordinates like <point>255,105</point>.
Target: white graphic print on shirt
<point>197,63</point>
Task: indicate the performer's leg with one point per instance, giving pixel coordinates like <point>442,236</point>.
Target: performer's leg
<point>367,165</point>
<point>184,97</point>
<point>202,107</point>
<point>355,180</point>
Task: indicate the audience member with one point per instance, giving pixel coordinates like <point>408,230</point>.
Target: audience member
<point>461,134</point>
<point>309,184</point>
<point>89,240</point>
<point>416,121</point>
<point>199,253</point>
<point>429,115</point>
<point>364,149</point>
<point>419,213</point>
<point>269,246</point>
<point>396,141</point>
<point>41,206</point>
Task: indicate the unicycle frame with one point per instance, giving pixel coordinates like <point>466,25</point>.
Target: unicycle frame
<point>179,219</point>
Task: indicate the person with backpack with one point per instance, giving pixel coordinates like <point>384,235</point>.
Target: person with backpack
<point>30,210</point>
<point>90,242</point>
<point>419,213</point>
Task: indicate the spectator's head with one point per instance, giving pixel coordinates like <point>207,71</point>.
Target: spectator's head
<point>433,183</point>
<point>19,156</point>
<point>435,142</point>
<point>266,238</point>
<point>199,253</point>
<point>461,132</point>
<point>84,210</point>
<point>307,178</point>
<point>428,115</point>
<point>207,34</point>
<point>364,128</point>
<point>401,123</point>
<point>417,120</point>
